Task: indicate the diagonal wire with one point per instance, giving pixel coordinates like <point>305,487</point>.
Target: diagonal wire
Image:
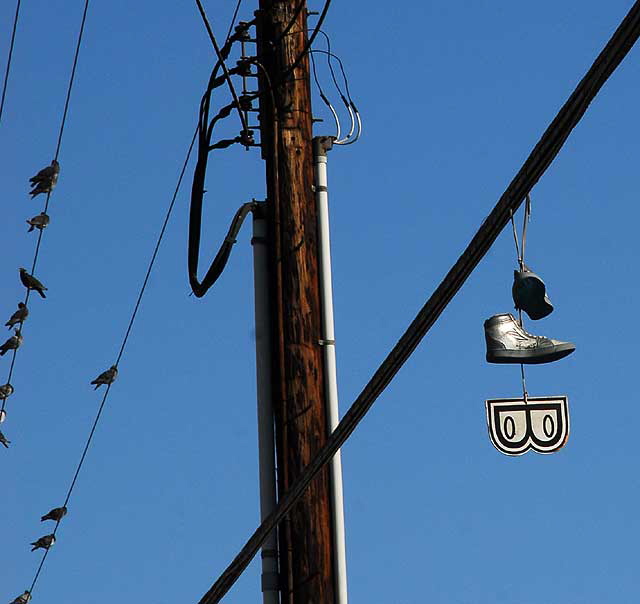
<point>529,174</point>
<point>6,73</point>
<point>216,48</point>
<point>60,133</point>
<point>124,342</point>
<point>233,20</point>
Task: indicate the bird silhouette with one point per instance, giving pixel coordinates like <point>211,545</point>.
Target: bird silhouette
<point>30,282</point>
<point>106,377</point>
<point>45,180</point>
<point>44,542</point>
<point>38,222</point>
<point>13,343</point>
<point>19,316</point>
<point>55,514</point>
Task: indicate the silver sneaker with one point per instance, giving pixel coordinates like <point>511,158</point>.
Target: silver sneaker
<point>508,342</point>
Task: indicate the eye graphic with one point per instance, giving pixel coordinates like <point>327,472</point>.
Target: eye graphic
<point>541,424</point>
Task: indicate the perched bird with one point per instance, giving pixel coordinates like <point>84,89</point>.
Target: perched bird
<point>4,441</point>
<point>55,514</point>
<point>6,391</point>
<point>30,282</point>
<point>106,377</point>
<point>44,542</point>
<point>45,180</point>
<point>23,599</point>
<point>19,316</point>
<point>38,222</point>
<point>13,343</point>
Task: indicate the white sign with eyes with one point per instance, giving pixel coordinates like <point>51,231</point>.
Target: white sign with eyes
<point>540,424</point>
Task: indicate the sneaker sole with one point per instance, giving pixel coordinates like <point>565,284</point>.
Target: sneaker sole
<point>526,358</point>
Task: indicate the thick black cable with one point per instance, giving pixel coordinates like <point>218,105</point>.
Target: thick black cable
<point>124,342</point>
<point>312,37</point>
<point>532,170</point>
<point>6,73</point>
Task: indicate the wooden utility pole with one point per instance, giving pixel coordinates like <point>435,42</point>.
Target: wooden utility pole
<point>305,547</point>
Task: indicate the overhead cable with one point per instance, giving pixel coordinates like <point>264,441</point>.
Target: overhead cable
<point>6,73</point>
<point>532,170</point>
<point>216,48</point>
<point>56,155</point>
<point>120,353</point>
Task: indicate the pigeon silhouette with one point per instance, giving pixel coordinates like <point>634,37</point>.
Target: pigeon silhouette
<point>4,441</point>
<point>44,542</point>
<point>45,180</point>
<point>19,316</point>
<point>5,391</point>
<point>23,599</point>
<point>30,282</point>
<point>55,514</point>
<point>13,343</point>
<point>38,222</point>
<point>106,377</point>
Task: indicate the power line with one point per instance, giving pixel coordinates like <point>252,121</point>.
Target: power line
<point>6,73</point>
<point>122,348</point>
<point>532,170</point>
<point>57,152</point>
<point>216,48</point>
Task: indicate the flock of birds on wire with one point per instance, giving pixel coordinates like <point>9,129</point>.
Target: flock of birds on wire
<point>43,182</point>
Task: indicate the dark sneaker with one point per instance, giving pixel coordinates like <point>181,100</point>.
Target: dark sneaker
<point>508,342</point>
<point>530,295</point>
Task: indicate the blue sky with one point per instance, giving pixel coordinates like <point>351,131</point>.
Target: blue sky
<point>453,97</point>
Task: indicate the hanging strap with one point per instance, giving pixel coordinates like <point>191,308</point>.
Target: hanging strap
<point>525,224</point>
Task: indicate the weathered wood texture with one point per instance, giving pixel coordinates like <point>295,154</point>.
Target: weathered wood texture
<point>305,536</point>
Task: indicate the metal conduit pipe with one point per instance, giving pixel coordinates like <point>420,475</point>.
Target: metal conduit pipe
<point>266,446</point>
<point>322,144</point>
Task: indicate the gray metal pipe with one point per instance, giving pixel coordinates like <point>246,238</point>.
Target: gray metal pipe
<point>266,445</point>
<point>320,147</point>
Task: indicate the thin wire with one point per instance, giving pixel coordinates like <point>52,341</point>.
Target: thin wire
<point>73,73</point>
<point>6,73</point>
<point>126,337</point>
<point>60,133</point>
<point>312,37</point>
<point>233,20</point>
<point>536,164</point>
<point>216,48</point>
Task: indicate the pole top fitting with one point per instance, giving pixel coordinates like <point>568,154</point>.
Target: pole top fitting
<point>322,144</point>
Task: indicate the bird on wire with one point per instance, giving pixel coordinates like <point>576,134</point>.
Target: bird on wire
<point>5,391</point>
<point>55,514</point>
<point>4,441</point>
<point>40,221</point>
<point>45,180</point>
<point>19,316</point>
<point>44,542</point>
<point>23,599</point>
<point>106,377</point>
<point>13,343</point>
<point>30,282</point>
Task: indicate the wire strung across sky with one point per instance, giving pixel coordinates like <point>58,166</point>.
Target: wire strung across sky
<point>6,73</point>
<point>136,306</point>
<point>55,158</point>
<point>529,174</point>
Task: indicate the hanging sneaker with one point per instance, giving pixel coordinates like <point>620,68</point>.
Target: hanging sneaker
<point>508,342</point>
<point>530,294</point>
